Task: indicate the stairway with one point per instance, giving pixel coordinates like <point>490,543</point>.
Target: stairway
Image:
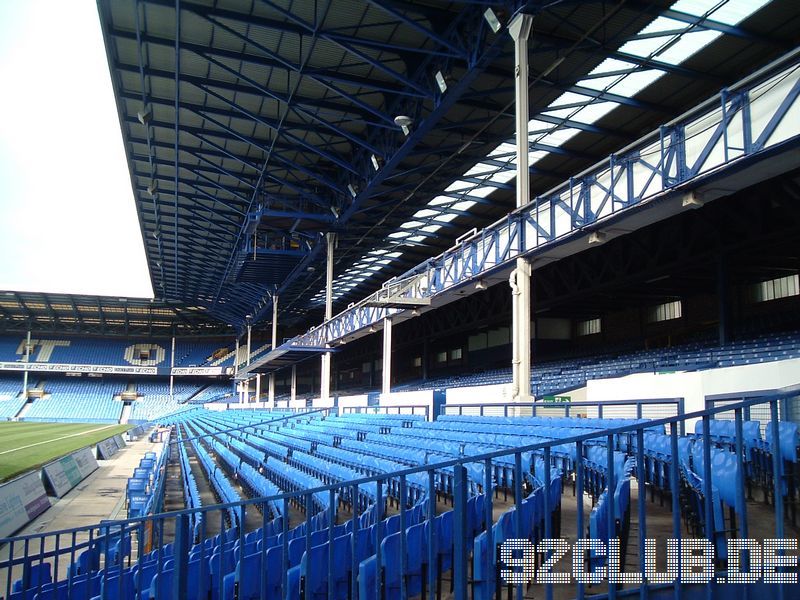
<point>25,408</point>
<point>126,412</point>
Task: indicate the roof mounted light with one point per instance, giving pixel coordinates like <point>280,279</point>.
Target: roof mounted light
<point>375,163</point>
<point>492,19</point>
<point>441,82</point>
<point>404,122</point>
<point>597,237</point>
<point>144,116</point>
<point>352,190</point>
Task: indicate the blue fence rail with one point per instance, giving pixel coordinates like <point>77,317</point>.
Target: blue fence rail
<point>618,408</point>
<point>401,543</point>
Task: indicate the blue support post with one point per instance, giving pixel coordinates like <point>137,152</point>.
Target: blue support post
<point>353,545</point>
<point>262,586</point>
<point>403,540</point>
<point>181,555</point>
<point>518,531</point>
<point>580,527</point>
<point>331,527</point>
<point>460,532</point>
<point>708,490</point>
<point>487,517</point>
<point>777,469</point>
<point>432,538</point>
<point>548,518</point>
<point>677,590</point>
<point>378,538</point>
<point>612,520</point>
<point>641,506</point>
<point>284,548</point>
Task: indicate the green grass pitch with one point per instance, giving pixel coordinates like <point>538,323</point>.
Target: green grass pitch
<point>44,443</point>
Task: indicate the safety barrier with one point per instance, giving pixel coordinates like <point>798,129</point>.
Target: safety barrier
<point>180,565</point>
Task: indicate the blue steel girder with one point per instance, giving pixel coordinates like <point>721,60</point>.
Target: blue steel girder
<point>212,225</point>
<point>642,173</point>
<point>285,161</point>
<point>337,160</point>
<point>708,23</point>
<point>230,86</point>
<point>484,47</point>
<point>343,133</point>
<point>211,170</point>
<point>310,28</point>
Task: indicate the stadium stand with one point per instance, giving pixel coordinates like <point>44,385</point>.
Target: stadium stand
<point>273,453</point>
<point>11,398</point>
<point>98,351</point>
<point>385,147</point>
<point>557,376</point>
<point>72,399</point>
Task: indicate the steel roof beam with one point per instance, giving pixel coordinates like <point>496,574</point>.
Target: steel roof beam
<point>217,153</point>
<point>196,212</point>
<point>707,23</point>
<point>321,178</point>
<point>239,88</point>
<point>213,170</point>
<point>310,147</point>
<point>377,64</point>
<point>427,32</point>
<point>272,124</point>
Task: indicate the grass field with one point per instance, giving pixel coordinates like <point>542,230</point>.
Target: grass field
<point>25,446</point>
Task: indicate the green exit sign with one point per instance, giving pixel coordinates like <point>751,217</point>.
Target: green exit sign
<point>556,399</point>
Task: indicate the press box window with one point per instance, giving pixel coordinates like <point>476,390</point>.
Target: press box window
<point>589,327</point>
<point>664,312</point>
<point>774,289</point>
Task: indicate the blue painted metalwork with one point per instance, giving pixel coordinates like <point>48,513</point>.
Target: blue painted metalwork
<point>670,161</point>
<point>150,531</point>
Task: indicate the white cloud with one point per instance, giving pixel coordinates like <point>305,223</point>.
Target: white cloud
<point>67,217</point>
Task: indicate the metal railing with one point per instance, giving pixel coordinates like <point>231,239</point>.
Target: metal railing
<point>168,537</point>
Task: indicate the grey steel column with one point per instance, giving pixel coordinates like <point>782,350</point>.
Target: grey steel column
<point>294,382</point>
<point>325,371</point>
<point>274,345</point>
<point>27,360</point>
<point>520,279</point>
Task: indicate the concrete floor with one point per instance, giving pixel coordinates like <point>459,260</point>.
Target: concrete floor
<point>100,496</point>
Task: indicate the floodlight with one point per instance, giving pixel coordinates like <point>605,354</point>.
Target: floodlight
<point>404,122</point>
<point>597,237</point>
<point>440,81</point>
<point>492,19</point>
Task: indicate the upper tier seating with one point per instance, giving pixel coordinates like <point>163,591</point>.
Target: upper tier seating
<point>88,351</point>
<point>559,376</point>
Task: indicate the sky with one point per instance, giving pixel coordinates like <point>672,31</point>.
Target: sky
<point>68,220</point>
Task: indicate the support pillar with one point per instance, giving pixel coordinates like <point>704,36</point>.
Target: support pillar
<point>294,383</point>
<point>386,384</point>
<point>520,279</point>
<point>27,360</point>
<point>249,334</point>
<point>274,345</point>
<point>258,387</point>
<point>325,370</point>
<point>171,376</point>
<point>236,358</point>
